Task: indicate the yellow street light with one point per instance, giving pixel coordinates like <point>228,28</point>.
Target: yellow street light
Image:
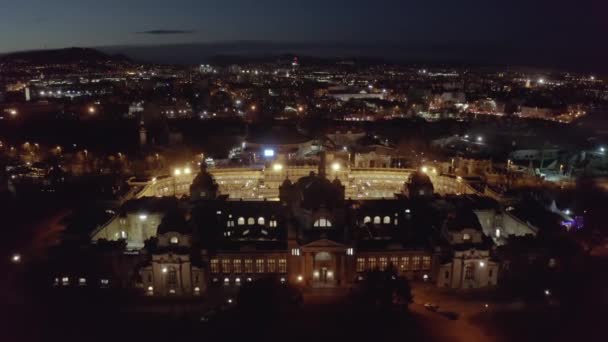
<point>335,166</point>
<point>277,167</point>
<point>177,172</point>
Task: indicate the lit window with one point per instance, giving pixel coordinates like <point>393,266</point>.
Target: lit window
<point>259,266</point>
<point>215,266</point>
<point>225,265</point>
<point>240,221</point>
<point>82,281</point>
<point>251,221</point>
<point>360,264</point>
<point>466,237</point>
<point>295,251</point>
<point>469,272</point>
<point>386,220</point>
<point>272,266</point>
<point>367,219</point>
<point>104,282</point>
<point>248,266</point>
<point>383,263</point>
<point>416,263</point>
<point>261,221</point>
<point>497,233</point>
<point>174,240</point>
<point>172,276</point>
<point>236,263</point>
<point>426,262</point>
<point>322,222</point>
<point>282,266</point>
<point>371,262</point>
<point>350,251</point>
<point>273,223</point>
<point>377,220</point>
<point>65,281</point>
<point>123,234</point>
<point>394,261</point>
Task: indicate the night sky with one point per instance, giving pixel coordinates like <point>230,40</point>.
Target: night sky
<point>539,24</point>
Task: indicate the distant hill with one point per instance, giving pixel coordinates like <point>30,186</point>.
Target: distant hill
<point>62,56</point>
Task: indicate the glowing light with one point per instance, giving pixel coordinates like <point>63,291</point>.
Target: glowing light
<point>541,80</point>
<point>425,277</point>
<point>547,292</point>
<point>13,112</point>
<point>425,169</point>
<point>253,107</point>
<point>480,138</point>
<point>16,258</point>
<point>143,217</point>
<point>150,288</point>
<point>92,110</point>
<point>482,264</point>
<point>335,166</point>
<point>177,172</point>
<point>602,149</point>
<point>229,300</point>
<point>300,109</point>
<point>187,171</point>
<point>268,152</point>
<point>300,278</point>
<point>330,274</point>
<point>567,212</point>
<point>164,270</point>
<point>277,167</point>
<point>315,274</point>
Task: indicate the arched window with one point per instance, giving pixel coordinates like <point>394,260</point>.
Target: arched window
<point>387,220</point>
<point>251,221</point>
<point>377,220</point>
<point>322,222</point>
<point>261,221</point>
<point>367,219</point>
<point>241,221</point>
<point>174,240</point>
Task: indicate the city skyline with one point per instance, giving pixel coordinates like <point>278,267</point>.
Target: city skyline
<point>513,33</point>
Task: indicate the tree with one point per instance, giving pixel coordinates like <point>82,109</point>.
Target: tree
<point>385,290</point>
<point>268,296</point>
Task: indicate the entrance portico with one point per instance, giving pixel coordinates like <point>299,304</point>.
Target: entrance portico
<point>324,264</point>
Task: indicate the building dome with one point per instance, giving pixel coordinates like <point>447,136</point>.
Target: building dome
<point>419,185</point>
<point>203,186</point>
<point>173,222</point>
<point>318,192</point>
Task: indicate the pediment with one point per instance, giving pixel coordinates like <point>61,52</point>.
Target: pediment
<point>323,243</point>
